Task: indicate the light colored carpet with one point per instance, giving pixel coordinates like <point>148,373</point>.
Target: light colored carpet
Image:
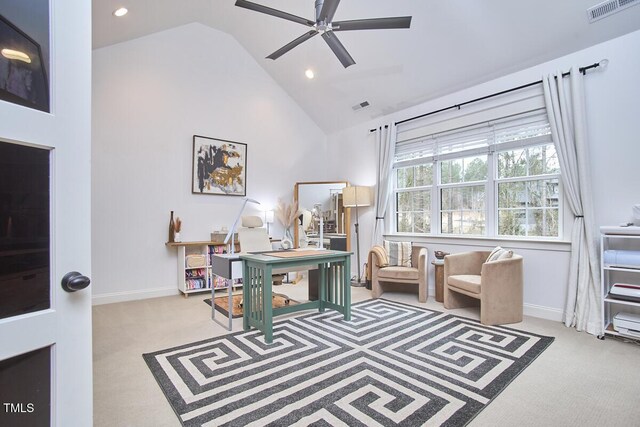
<point>578,381</point>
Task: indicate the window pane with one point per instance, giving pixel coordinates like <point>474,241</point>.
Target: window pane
<point>404,222</point>
<point>528,208</point>
<point>463,210</point>
<point>468,169</point>
<point>404,177</point>
<point>450,171</point>
<point>475,168</point>
<point>403,202</point>
<point>544,222</point>
<point>421,201</point>
<point>413,211</point>
<point>552,165</point>
<point>512,163</point>
<point>423,175</point>
<point>511,195</point>
<point>419,223</point>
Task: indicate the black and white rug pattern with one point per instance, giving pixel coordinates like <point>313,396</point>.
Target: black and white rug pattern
<point>391,365</point>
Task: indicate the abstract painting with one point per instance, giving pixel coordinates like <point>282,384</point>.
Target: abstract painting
<point>219,167</point>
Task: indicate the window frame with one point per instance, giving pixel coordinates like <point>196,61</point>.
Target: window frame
<point>491,184</point>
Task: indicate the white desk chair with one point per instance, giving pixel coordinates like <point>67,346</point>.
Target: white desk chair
<point>253,238</point>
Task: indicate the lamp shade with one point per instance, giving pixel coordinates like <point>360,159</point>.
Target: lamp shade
<point>268,217</point>
<point>356,196</point>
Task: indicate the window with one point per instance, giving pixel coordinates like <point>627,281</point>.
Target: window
<point>498,179</point>
<point>413,198</point>
<point>528,192</point>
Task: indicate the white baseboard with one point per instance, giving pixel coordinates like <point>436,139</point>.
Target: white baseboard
<point>542,312</point>
<point>112,297</point>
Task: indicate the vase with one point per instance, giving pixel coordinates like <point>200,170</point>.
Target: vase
<point>176,237</point>
<point>287,239</point>
<point>172,229</point>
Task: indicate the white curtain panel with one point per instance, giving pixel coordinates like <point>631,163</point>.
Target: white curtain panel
<point>564,99</point>
<point>385,149</point>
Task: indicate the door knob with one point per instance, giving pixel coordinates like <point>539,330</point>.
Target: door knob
<point>74,281</point>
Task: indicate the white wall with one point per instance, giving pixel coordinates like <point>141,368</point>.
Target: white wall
<point>613,111</point>
<point>150,96</point>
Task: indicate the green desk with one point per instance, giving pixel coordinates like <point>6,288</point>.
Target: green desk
<point>334,290</point>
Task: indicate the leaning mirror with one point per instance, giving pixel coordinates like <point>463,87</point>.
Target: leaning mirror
<point>321,202</point>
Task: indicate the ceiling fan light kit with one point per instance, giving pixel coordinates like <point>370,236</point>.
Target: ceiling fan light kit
<point>325,25</point>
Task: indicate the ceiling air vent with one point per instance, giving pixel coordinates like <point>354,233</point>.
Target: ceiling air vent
<point>360,106</point>
<point>608,8</point>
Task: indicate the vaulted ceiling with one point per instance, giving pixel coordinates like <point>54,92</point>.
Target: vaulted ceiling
<point>451,45</point>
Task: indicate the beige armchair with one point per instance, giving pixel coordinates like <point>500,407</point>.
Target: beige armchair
<point>497,285</point>
<point>387,277</point>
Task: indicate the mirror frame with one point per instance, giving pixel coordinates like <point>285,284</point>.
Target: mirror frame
<point>347,211</point>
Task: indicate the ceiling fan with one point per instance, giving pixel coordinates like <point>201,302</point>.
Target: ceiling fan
<point>324,24</point>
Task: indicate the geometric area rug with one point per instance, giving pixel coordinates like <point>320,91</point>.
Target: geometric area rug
<point>391,365</point>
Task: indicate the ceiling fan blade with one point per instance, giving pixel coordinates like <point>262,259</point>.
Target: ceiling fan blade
<point>328,10</point>
<point>274,12</point>
<point>286,48</point>
<point>372,24</point>
<point>338,48</point>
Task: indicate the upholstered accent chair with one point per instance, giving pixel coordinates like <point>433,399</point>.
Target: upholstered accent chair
<point>497,285</point>
<point>384,276</point>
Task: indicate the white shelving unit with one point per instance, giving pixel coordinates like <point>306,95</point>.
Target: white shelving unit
<point>201,275</point>
<point>618,238</point>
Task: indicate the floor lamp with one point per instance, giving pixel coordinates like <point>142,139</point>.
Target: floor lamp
<point>355,197</point>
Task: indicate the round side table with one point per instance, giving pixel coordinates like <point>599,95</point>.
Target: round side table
<point>439,273</point>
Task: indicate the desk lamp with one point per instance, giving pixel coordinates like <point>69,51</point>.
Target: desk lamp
<point>355,197</point>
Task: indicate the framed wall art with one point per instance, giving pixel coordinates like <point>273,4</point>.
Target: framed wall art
<point>219,167</point>
<point>23,78</point>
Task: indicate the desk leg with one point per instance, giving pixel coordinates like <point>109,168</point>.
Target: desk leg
<point>230,302</point>
<point>267,304</point>
<point>346,287</point>
<point>246,299</point>
<point>322,286</point>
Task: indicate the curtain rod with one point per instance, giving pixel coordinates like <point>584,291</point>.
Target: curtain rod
<point>583,70</point>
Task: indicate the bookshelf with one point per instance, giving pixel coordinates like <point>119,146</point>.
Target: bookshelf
<point>194,266</point>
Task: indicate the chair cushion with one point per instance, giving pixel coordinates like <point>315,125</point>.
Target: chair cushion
<point>399,273</point>
<point>399,253</point>
<point>251,221</point>
<point>467,282</point>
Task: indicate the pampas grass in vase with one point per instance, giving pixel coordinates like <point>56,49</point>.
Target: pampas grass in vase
<point>287,214</point>
<point>177,228</point>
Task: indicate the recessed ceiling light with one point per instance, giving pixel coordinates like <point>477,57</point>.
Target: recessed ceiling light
<point>120,12</point>
<point>309,73</point>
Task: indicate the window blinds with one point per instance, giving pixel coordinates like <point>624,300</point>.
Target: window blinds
<point>516,131</point>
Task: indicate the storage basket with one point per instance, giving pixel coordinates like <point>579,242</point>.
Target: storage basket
<point>192,261</point>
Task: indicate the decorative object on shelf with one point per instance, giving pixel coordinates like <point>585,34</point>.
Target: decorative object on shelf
<point>23,76</point>
<point>219,167</point>
<point>177,227</point>
<point>287,214</point>
<point>440,254</point>
<point>357,196</point>
<point>172,229</point>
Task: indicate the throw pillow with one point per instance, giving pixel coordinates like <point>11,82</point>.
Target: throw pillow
<point>399,253</point>
<point>499,253</point>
